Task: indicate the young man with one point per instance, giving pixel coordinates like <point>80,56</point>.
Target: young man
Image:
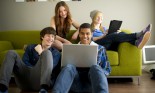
<point>34,70</point>
<point>83,80</point>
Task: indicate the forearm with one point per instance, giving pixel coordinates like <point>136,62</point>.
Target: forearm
<point>63,40</point>
<point>75,35</point>
<point>97,38</point>
<point>66,41</point>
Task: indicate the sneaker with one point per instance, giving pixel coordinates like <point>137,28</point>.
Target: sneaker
<point>147,29</point>
<point>4,92</point>
<point>142,40</point>
<point>43,91</point>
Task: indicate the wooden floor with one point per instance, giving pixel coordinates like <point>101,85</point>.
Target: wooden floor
<point>146,86</point>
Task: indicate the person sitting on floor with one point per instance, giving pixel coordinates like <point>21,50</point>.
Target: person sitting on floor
<point>33,72</point>
<point>92,79</point>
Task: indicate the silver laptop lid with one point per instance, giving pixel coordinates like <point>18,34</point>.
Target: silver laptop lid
<point>79,55</point>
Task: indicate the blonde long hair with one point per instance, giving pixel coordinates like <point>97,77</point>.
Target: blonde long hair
<point>94,18</point>
<point>62,29</point>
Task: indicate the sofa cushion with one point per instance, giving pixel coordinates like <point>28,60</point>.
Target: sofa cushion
<point>113,57</point>
<point>5,45</point>
<point>20,38</point>
<point>69,36</point>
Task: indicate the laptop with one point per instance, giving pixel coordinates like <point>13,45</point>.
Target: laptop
<point>79,55</point>
<point>114,26</point>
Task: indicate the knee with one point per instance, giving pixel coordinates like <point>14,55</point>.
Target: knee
<point>46,52</point>
<point>11,53</point>
<point>95,69</point>
<point>97,72</point>
<point>70,68</point>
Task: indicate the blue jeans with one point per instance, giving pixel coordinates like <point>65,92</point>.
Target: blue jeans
<point>111,41</point>
<point>82,80</point>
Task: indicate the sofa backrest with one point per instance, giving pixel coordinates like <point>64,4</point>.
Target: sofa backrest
<point>20,38</point>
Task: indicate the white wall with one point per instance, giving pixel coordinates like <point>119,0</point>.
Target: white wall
<point>136,14</point>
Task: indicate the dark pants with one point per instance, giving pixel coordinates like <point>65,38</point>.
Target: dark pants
<point>111,41</point>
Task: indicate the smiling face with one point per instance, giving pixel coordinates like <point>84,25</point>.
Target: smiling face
<point>85,35</point>
<point>98,18</point>
<point>48,39</point>
<point>62,12</point>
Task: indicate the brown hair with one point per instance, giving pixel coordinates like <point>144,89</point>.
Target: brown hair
<point>47,30</point>
<point>62,29</point>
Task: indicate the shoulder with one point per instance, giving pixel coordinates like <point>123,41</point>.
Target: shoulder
<point>93,43</point>
<point>31,46</point>
<point>75,23</point>
<point>101,47</point>
<point>53,19</point>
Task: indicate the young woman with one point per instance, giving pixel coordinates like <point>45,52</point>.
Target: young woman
<point>62,22</point>
<point>112,40</point>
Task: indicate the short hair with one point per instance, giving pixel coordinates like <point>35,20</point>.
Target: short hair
<point>85,25</point>
<point>47,30</point>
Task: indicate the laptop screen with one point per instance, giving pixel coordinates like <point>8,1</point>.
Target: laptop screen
<point>114,26</point>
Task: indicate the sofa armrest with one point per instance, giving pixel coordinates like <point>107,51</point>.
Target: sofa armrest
<point>126,31</point>
<point>130,59</point>
<point>5,45</point>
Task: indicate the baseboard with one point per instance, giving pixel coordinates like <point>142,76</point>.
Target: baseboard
<point>148,67</point>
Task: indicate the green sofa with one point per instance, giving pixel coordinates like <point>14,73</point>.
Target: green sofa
<point>127,62</point>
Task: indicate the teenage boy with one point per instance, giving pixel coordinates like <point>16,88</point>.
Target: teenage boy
<point>83,80</point>
<point>34,70</point>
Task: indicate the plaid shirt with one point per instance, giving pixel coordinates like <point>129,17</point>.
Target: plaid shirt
<point>102,58</point>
